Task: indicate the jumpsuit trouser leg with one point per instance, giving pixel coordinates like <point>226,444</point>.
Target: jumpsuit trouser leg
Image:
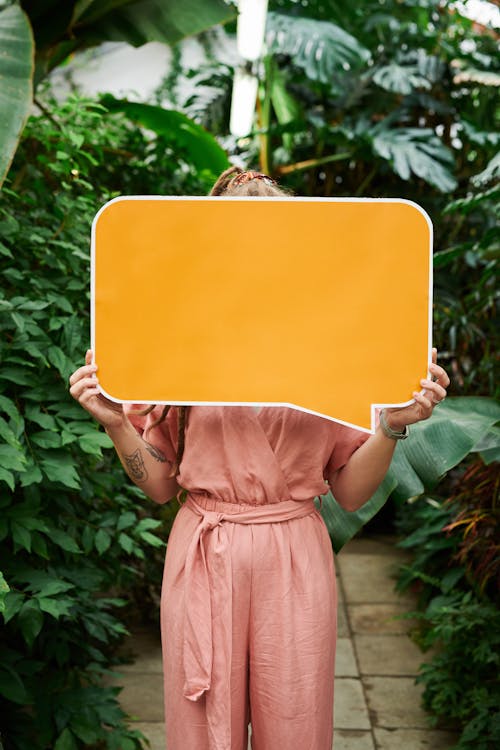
<point>283,637</point>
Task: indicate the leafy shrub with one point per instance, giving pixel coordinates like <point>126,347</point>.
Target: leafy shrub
<point>76,539</point>
<point>455,571</point>
<point>461,680</point>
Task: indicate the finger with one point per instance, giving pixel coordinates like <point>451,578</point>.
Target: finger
<point>88,357</point>
<point>437,390</point>
<point>82,385</point>
<point>440,375</point>
<point>82,372</point>
<point>88,395</point>
<point>424,402</point>
<point>434,355</point>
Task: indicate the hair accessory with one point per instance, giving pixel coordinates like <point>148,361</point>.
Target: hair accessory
<point>243,177</point>
<point>389,432</point>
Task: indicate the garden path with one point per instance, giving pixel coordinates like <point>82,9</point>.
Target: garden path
<point>377,704</point>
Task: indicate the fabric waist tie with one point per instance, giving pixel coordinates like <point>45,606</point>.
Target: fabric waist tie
<point>207,640</point>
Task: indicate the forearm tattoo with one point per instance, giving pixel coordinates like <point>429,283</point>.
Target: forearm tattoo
<point>134,465</point>
<point>155,452</point>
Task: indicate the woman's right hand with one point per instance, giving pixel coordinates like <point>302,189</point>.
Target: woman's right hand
<point>84,389</point>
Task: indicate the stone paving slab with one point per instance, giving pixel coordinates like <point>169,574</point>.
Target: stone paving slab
<point>342,626</point>
<point>144,647</point>
<point>370,578</point>
<point>142,695</point>
<point>349,705</point>
<point>379,618</point>
<point>354,739</point>
<point>395,703</point>
<point>414,739</point>
<point>345,661</point>
<point>154,731</point>
<point>387,655</point>
<point>384,544</point>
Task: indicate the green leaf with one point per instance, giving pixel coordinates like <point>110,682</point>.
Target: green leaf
<point>8,478</point>
<point>93,441</point>
<point>9,407</point>
<point>416,151</point>
<point>126,542</point>
<point>491,172</point>
<point>39,546</point>
<point>126,520</point>
<point>21,535</point>
<point>31,475</point>
<point>102,541</point>
<point>63,540</point>
<point>8,435</point>
<point>200,146</point>
<point>322,49</point>
<point>59,467</point>
<point>44,420</point>
<point>16,70</point>
<point>61,362</point>
<point>66,741</point>
<point>401,79</point>
<point>13,602</point>
<point>46,439</point>
<point>30,620</point>
<point>4,590</point>
<point>488,446</point>
<point>12,458</point>
<point>147,523</point>
<point>46,585</point>
<point>54,607</point>
<point>11,685</point>
<point>151,20</point>
<point>434,447</point>
<point>154,541</point>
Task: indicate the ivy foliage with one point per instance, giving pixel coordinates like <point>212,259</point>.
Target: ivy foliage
<point>75,539</point>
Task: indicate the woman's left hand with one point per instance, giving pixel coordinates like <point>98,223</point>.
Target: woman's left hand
<point>434,391</point>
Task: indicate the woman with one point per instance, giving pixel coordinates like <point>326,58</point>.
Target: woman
<point>248,611</point>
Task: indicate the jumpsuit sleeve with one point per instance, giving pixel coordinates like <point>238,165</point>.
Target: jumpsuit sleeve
<point>346,441</point>
<point>163,436</point>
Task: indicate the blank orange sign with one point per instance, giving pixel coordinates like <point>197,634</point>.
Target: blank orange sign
<point>319,304</point>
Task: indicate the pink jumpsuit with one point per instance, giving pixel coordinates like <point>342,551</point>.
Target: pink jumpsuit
<point>248,608</point>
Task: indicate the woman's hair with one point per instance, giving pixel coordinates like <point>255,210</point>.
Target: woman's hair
<point>237,182</point>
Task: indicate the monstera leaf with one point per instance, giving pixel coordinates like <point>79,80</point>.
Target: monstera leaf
<point>322,49</point>
<point>401,79</point>
<point>416,151</point>
<point>16,70</point>
<point>458,427</point>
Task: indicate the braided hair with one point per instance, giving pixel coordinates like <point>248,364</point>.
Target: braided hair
<point>233,181</point>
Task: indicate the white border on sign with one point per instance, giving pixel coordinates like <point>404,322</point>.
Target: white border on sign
<point>374,407</point>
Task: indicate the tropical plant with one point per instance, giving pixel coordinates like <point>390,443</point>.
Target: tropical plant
<point>16,71</point>
<point>36,36</point>
<point>458,427</point>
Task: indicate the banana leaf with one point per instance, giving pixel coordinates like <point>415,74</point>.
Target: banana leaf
<point>16,70</point>
<point>458,427</point>
<point>184,134</point>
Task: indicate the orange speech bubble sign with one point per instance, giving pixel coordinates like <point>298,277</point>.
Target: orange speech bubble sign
<point>319,304</point>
